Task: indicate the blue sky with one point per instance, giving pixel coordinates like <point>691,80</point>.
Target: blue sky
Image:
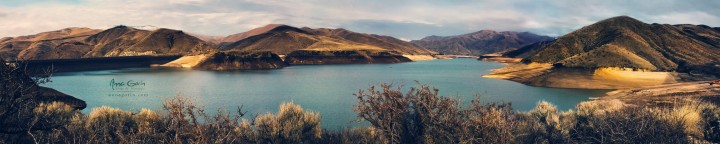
<point>406,19</point>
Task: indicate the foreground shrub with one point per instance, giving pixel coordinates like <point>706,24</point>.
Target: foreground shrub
<point>110,124</point>
<point>290,125</point>
<point>420,115</point>
<point>544,124</point>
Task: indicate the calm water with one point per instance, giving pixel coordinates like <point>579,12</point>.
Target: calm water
<point>327,89</point>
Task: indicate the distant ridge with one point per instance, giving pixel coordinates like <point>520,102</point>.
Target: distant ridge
<point>480,42</point>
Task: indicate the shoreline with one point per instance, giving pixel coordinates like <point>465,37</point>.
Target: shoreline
<point>39,67</point>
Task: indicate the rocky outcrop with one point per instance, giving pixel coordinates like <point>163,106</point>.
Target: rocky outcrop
<point>240,61</point>
<point>479,43</point>
<point>304,57</point>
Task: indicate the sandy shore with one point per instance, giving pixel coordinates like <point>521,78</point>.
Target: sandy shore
<point>419,57</point>
<point>186,61</point>
<point>545,75</point>
<point>505,60</point>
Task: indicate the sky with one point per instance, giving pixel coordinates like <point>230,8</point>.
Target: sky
<point>404,19</point>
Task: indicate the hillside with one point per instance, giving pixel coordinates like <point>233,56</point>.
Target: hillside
<point>286,39</point>
<point>616,53</point>
<point>626,42</point>
<point>382,41</point>
<point>479,43</point>
<point>74,43</point>
<point>126,41</point>
<point>60,44</point>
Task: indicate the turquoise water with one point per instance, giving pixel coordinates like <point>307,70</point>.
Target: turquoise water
<point>327,89</point>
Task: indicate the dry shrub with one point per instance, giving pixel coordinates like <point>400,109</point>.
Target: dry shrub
<point>357,135</point>
<point>290,125</point>
<point>245,131</point>
<point>147,121</point>
<point>55,114</point>
<point>626,125</point>
<point>543,125</point>
<point>110,124</point>
<point>421,116</point>
<point>711,122</point>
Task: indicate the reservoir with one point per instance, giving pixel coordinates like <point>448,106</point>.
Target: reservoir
<point>326,89</point>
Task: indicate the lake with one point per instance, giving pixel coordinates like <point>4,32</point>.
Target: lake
<point>327,89</point>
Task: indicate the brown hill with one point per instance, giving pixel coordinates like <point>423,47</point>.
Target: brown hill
<point>626,42</point>
<point>126,41</point>
<point>382,41</point>
<point>60,44</point>
<point>74,43</point>
<point>479,43</point>
<point>285,39</point>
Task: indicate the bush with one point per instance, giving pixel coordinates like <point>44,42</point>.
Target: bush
<point>543,125</point>
<point>290,125</point>
<point>626,125</point>
<point>421,115</point>
<point>110,124</point>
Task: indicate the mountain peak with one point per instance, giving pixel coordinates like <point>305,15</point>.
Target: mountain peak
<point>619,21</point>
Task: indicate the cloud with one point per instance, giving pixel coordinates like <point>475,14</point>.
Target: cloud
<point>412,19</point>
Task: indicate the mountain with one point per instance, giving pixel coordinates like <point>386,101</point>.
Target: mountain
<point>60,44</point>
<point>481,42</point>
<point>275,37</point>
<point>74,43</point>
<point>127,41</point>
<point>626,42</point>
<point>386,42</point>
<point>286,39</point>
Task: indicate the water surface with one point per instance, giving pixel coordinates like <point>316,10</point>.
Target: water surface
<point>327,89</point>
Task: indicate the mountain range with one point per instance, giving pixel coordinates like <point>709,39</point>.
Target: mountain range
<point>479,43</point>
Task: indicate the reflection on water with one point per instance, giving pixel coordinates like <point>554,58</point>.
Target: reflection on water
<point>327,89</point>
